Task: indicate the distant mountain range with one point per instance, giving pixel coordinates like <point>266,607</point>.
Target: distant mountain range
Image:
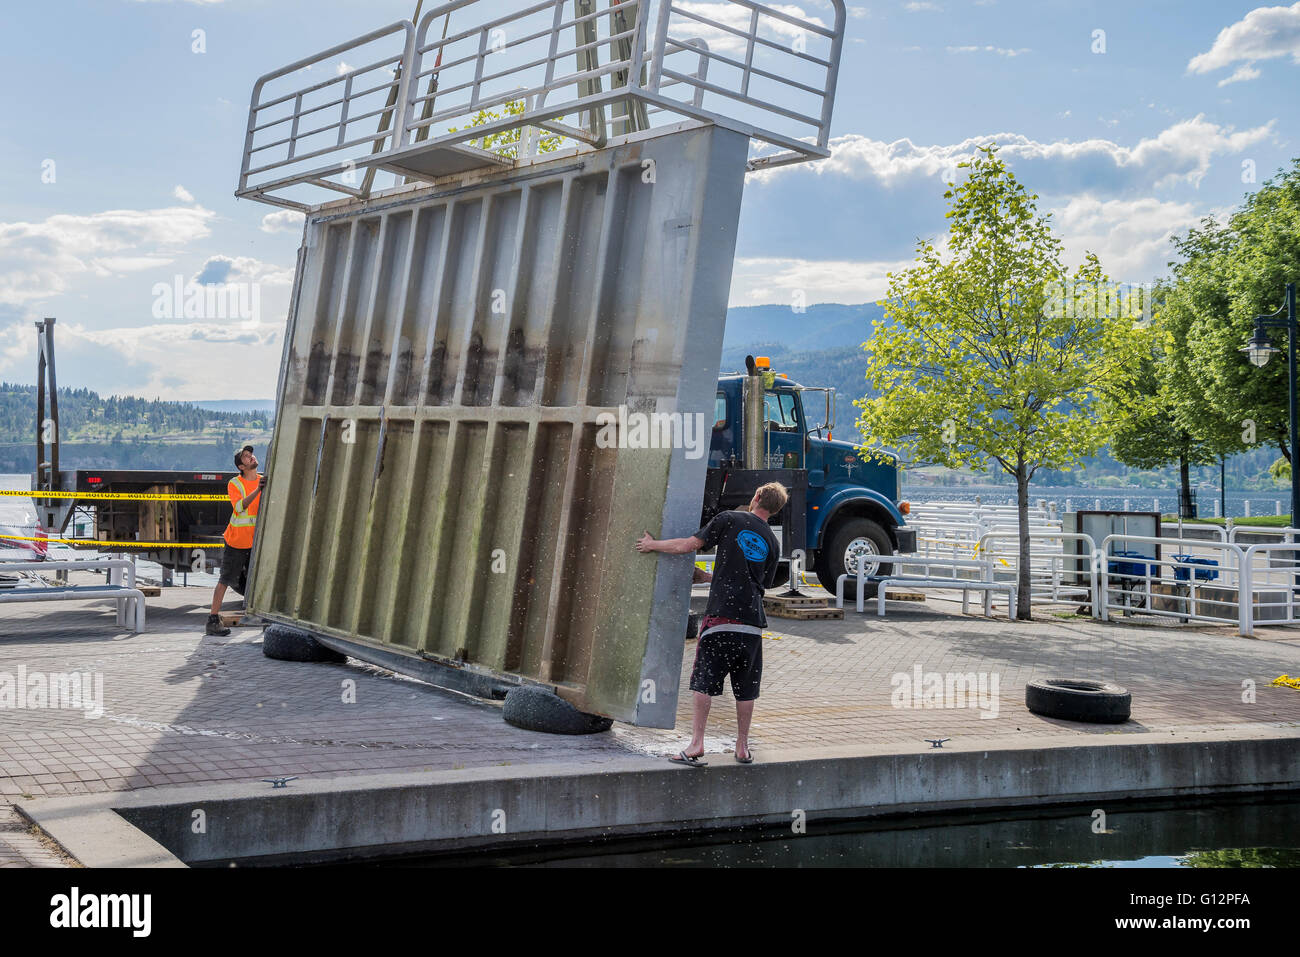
<point>821,346</point>
<point>236,405</point>
<point>819,327</point>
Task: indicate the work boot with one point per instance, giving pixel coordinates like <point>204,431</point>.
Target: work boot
<point>215,627</point>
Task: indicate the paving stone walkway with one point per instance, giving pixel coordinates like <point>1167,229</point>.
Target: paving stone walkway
<point>182,707</point>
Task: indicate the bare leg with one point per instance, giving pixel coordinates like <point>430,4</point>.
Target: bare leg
<point>217,596</point>
<point>701,715</point>
<point>744,715</point>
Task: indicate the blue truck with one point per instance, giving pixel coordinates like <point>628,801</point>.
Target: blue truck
<point>842,506</point>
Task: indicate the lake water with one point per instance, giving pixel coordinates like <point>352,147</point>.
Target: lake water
<point>1226,833</point>
<point>1138,499</point>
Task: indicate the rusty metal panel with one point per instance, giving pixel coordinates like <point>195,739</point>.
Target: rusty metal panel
<point>440,482</point>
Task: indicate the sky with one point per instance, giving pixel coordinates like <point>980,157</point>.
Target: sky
<point>124,124</point>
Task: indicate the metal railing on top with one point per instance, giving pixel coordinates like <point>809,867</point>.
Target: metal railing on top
<point>457,91</point>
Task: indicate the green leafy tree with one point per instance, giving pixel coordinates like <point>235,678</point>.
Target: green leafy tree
<point>1226,274</point>
<point>979,361</point>
<point>1139,411</point>
<point>506,142</point>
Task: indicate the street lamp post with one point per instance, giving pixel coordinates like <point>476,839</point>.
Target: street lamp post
<point>1259,349</point>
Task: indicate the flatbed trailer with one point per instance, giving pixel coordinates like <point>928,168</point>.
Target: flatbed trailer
<point>163,508</point>
<point>175,517</point>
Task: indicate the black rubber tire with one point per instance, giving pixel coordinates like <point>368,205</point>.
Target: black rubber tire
<point>830,560</point>
<point>536,709</point>
<point>1078,699</point>
<point>294,644</point>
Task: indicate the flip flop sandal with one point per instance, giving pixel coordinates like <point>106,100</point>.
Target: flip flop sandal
<point>748,760</point>
<point>683,758</point>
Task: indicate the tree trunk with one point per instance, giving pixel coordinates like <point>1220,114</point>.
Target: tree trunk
<point>1185,495</point>
<point>1024,610</point>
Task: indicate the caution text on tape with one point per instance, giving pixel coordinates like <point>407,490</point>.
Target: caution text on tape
<point>119,496</point>
<point>97,544</point>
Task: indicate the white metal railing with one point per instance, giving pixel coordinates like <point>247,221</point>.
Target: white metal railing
<point>1216,532</point>
<point>1137,584</point>
<point>1053,571</point>
<point>1288,534</point>
<point>1272,583</point>
<point>455,91</point>
<point>128,599</point>
<point>964,575</point>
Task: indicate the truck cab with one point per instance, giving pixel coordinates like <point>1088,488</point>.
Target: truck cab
<point>842,507</point>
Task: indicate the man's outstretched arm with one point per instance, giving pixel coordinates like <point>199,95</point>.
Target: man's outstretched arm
<point>669,546</point>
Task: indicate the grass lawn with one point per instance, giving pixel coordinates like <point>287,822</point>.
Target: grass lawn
<point>1263,521</point>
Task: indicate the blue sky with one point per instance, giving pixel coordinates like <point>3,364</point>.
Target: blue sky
<point>141,137</point>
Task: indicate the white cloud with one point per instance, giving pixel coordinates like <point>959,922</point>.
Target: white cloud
<point>1262,34</point>
<point>1130,236</point>
<point>737,17</point>
<point>1243,72</point>
<point>918,6</point>
<point>760,280</point>
<point>1182,152</point>
<point>1000,51</point>
<point>219,270</point>
<point>183,194</point>
<point>282,221</point>
<point>40,260</point>
<point>174,360</point>
<point>116,265</point>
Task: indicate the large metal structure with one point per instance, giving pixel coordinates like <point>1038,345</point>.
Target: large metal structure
<point>444,497</point>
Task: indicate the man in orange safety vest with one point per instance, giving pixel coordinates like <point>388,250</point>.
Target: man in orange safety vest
<point>245,492</point>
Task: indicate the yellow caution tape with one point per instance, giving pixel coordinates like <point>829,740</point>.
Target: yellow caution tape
<point>1286,681</point>
<point>97,544</point>
<point>119,496</point>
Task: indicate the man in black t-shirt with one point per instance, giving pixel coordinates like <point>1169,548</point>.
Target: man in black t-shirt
<point>731,632</point>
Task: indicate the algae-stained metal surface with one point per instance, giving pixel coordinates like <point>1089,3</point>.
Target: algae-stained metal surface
<point>439,483</point>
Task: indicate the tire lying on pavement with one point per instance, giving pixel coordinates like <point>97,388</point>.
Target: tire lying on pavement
<point>536,709</point>
<point>293,644</point>
<point>1078,699</point>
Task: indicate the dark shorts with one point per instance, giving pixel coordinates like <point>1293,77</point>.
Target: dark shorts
<point>725,653</point>
<point>234,568</point>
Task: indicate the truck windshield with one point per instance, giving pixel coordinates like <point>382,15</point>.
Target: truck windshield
<point>781,414</point>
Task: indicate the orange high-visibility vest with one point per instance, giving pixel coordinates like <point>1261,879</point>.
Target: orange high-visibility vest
<point>239,533</point>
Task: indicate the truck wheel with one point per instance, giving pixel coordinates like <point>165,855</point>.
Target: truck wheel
<point>850,539</point>
<point>294,644</point>
<point>1076,699</point>
<point>536,709</point>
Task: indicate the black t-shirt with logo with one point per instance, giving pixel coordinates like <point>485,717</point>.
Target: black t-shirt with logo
<point>745,565</point>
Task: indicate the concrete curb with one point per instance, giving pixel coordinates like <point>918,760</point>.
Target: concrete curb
<point>499,806</point>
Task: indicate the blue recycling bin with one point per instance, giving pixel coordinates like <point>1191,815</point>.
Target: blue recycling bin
<point>1208,573</point>
<point>1122,564</point>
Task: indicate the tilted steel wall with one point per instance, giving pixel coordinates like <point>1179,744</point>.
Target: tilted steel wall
<point>448,357</point>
